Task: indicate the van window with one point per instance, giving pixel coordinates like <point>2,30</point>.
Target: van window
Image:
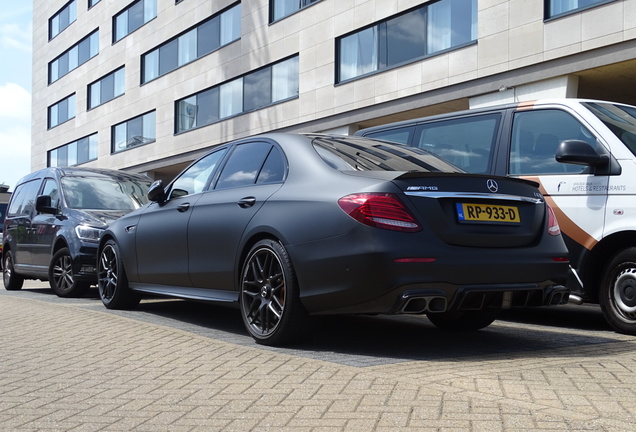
<point>23,199</point>
<point>51,189</point>
<point>399,135</point>
<point>620,119</point>
<point>536,135</point>
<point>466,142</point>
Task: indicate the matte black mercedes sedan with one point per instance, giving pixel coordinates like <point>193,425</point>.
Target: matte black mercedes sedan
<point>288,226</point>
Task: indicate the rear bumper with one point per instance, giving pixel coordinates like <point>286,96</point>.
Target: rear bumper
<point>365,278</point>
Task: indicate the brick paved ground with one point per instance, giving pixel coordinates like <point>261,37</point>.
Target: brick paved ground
<point>71,366</point>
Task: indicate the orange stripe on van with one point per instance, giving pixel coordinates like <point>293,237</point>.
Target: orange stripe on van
<point>526,105</point>
<point>568,227</point>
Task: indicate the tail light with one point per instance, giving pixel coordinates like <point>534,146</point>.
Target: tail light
<point>380,210</point>
<point>553,224</point>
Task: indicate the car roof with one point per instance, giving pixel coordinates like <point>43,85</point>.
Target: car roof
<point>58,172</point>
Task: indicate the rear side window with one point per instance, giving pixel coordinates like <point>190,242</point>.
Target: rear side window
<point>244,165</point>
<point>23,199</point>
<point>466,142</point>
<point>536,135</point>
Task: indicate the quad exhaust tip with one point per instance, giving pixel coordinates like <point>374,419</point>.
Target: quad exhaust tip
<point>421,305</point>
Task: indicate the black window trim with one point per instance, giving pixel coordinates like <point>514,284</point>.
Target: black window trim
<point>48,112</point>
<point>337,39</point>
<point>88,89</point>
<point>269,65</point>
<point>56,14</point>
<point>112,133</point>
<point>48,152</point>
<point>166,42</point>
<point>88,36</point>
<point>114,19</point>
<point>548,18</point>
<point>271,19</point>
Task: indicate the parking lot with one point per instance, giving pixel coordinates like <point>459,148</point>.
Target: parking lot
<point>72,365</point>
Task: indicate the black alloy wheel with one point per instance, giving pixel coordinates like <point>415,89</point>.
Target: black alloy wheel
<point>270,302</point>
<point>61,278</point>
<point>111,279</point>
<point>617,295</point>
<point>12,282</point>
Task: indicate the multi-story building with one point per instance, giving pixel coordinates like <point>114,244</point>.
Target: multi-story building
<point>148,85</point>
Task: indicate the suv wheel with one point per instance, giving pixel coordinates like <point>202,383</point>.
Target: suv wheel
<point>12,281</point>
<point>61,278</point>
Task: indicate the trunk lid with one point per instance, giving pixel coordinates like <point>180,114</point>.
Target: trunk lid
<point>476,210</point>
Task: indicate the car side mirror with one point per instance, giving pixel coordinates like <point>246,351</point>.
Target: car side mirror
<point>580,153</point>
<point>43,205</point>
<point>156,192</point>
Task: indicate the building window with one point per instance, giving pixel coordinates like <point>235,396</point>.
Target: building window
<point>62,19</point>
<point>134,132</point>
<point>75,153</point>
<point>408,37</point>
<point>266,86</point>
<point>92,3</point>
<point>554,8</point>
<point>133,17</point>
<point>206,37</point>
<point>74,57</point>
<point>279,9</point>
<point>62,111</point>
<point>106,88</point>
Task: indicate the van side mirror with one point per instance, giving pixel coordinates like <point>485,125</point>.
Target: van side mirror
<point>156,192</point>
<point>580,153</point>
<point>43,205</point>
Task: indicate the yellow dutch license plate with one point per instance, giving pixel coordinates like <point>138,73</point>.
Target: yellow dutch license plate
<point>487,213</point>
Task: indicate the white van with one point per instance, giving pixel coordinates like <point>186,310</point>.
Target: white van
<point>583,155</point>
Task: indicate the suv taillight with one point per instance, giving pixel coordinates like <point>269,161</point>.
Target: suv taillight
<point>553,224</point>
<point>380,210</point>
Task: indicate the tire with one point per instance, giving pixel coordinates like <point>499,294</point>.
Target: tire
<point>61,278</point>
<point>12,281</point>
<point>464,320</point>
<point>617,293</point>
<point>269,296</point>
<point>112,282</point>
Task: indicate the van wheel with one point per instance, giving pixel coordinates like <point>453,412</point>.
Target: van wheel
<point>464,320</point>
<point>270,301</point>
<point>12,281</point>
<point>617,294</point>
<point>61,278</point>
<point>112,282</point>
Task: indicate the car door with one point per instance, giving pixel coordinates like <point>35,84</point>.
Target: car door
<point>45,227</point>
<point>162,230</point>
<point>19,223</point>
<point>253,172</point>
<point>577,195</point>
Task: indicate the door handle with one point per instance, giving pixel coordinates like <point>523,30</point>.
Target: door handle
<point>183,207</point>
<point>246,202</point>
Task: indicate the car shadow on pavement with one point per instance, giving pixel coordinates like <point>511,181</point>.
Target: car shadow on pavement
<point>572,331</point>
<point>376,340</point>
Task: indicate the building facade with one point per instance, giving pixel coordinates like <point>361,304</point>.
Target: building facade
<point>149,85</point>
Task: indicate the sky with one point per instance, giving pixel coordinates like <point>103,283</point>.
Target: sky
<point>15,90</point>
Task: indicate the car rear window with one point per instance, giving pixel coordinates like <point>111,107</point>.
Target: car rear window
<point>363,154</point>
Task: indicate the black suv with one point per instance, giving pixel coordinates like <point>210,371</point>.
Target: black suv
<point>54,220</point>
